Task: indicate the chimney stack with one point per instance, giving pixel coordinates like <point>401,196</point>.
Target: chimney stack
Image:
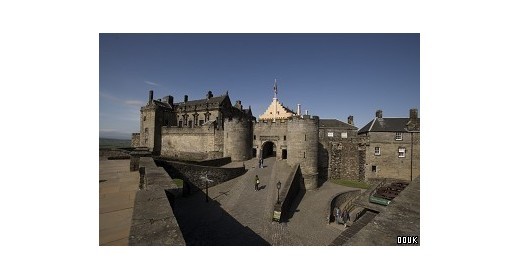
<point>209,95</point>
<point>238,104</point>
<point>185,98</point>
<point>306,112</point>
<point>350,120</point>
<point>168,99</point>
<point>413,114</point>
<point>150,96</point>
<point>379,114</point>
<point>299,111</point>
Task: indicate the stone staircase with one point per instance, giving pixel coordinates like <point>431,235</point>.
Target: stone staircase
<point>355,228</point>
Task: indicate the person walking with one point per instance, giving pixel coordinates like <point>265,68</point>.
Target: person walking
<point>257,182</point>
<point>336,214</point>
<point>345,217</point>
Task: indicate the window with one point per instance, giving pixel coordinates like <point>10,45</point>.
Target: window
<point>303,154</point>
<point>377,151</point>
<point>284,137</point>
<point>190,124</point>
<point>374,168</point>
<point>330,134</point>
<point>305,137</point>
<point>144,118</point>
<point>343,135</point>
<point>201,122</point>
<point>254,137</point>
<point>398,136</point>
<point>180,123</point>
<point>401,152</point>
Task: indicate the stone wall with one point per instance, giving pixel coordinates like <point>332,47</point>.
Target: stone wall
<point>197,143</point>
<point>345,160</point>
<point>289,192</point>
<point>275,132</point>
<point>136,140</point>
<point>209,162</point>
<point>191,174</point>
<point>112,152</point>
<point>153,221</point>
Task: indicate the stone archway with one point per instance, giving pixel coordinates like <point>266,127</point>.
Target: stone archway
<point>268,149</point>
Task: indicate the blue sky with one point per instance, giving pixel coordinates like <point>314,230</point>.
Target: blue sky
<point>331,75</point>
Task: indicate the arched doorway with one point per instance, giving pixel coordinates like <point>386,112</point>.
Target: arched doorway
<point>268,149</point>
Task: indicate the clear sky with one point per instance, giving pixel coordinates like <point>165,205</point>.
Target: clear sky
<point>331,75</point>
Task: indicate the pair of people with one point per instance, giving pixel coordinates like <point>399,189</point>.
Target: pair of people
<point>341,216</point>
<point>261,163</point>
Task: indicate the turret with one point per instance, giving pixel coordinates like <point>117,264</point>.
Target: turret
<point>302,147</point>
<point>238,138</point>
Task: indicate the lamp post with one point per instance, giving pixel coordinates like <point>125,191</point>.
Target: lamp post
<point>278,186</point>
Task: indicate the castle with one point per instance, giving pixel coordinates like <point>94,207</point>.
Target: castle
<point>325,149</point>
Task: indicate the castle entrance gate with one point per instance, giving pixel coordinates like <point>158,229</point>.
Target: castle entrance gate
<point>268,149</point>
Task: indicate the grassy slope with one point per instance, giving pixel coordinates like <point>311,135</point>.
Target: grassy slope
<point>348,183</point>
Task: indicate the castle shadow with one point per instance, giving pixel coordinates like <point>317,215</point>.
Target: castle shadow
<point>207,224</point>
<point>294,205</point>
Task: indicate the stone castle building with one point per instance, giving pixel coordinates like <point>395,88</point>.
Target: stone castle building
<point>394,146</point>
<point>325,149</point>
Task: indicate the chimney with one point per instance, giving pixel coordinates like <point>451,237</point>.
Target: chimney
<point>413,114</point>
<point>379,114</point>
<point>150,96</point>
<point>168,99</point>
<point>299,111</point>
<point>306,112</point>
<point>350,120</point>
<point>185,98</point>
<point>209,95</point>
<point>238,104</point>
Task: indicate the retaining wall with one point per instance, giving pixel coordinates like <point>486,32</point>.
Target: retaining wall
<point>191,173</point>
<point>287,194</point>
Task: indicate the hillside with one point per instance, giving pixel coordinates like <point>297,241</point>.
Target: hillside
<point>113,143</point>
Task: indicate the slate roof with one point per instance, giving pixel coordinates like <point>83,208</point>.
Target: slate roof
<point>335,123</point>
<point>386,125</point>
<point>162,104</point>
<point>215,99</point>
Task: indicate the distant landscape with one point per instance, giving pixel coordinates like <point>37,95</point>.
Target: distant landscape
<point>106,143</point>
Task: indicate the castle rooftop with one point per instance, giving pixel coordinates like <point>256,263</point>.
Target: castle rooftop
<point>335,123</point>
<point>386,125</point>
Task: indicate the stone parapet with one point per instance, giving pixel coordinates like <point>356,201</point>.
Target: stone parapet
<point>153,221</point>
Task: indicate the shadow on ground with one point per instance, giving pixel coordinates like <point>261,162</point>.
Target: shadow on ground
<point>294,205</point>
<point>207,224</point>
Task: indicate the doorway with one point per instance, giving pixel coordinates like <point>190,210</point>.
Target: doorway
<point>268,149</point>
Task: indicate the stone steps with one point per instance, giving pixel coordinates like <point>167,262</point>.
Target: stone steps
<point>355,228</point>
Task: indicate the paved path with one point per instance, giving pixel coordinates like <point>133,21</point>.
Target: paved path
<point>239,215</point>
<point>117,188</point>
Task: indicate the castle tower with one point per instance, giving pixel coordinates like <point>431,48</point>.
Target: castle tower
<point>238,138</point>
<point>154,115</point>
<point>302,147</point>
